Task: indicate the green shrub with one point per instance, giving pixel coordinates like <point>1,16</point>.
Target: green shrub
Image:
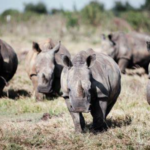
<point>71,19</point>
<point>39,8</point>
<point>138,20</point>
<point>91,13</point>
<point>12,12</point>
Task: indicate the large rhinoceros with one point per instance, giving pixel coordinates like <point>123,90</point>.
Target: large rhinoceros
<point>129,50</point>
<point>44,67</point>
<point>8,64</point>
<point>90,82</point>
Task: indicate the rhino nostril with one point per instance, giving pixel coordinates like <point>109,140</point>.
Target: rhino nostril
<point>71,106</point>
<point>44,78</point>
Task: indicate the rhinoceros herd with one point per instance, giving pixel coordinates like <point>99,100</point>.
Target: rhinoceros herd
<point>89,82</point>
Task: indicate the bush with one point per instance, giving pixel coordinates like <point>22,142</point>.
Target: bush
<point>56,11</point>
<point>91,13</point>
<point>138,20</point>
<point>71,19</point>
<point>12,12</point>
<point>39,8</point>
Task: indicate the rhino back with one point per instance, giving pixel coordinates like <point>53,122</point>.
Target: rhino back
<point>10,60</point>
<point>137,42</point>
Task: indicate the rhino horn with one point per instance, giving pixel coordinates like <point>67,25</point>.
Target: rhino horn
<point>80,90</point>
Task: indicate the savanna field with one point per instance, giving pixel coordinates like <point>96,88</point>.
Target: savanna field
<point>23,125</point>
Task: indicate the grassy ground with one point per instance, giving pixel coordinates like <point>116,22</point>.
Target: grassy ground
<point>22,126</point>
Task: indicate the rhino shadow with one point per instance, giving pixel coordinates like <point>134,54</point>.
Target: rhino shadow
<point>52,96</point>
<point>118,123</point>
<point>111,124</point>
<point>15,94</point>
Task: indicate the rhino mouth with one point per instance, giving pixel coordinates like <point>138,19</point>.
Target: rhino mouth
<point>45,88</point>
<point>80,109</point>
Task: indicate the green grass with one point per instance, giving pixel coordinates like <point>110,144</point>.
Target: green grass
<point>21,126</point>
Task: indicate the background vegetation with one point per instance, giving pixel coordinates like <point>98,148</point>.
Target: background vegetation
<point>93,14</point>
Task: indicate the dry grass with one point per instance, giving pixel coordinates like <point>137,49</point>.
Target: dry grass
<point>21,126</point>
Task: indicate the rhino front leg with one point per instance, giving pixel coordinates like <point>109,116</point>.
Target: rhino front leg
<point>98,111</point>
<point>2,85</point>
<point>123,64</point>
<point>1,92</point>
<point>78,119</point>
<point>38,96</point>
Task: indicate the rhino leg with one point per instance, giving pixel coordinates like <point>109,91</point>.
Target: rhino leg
<point>148,92</point>
<point>2,85</point>
<point>98,111</point>
<point>56,86</point>
<point>78,119</point>
<point>38,96</point>
<point>1,91</point>
<point>110,106</point>
<point>123,63</point>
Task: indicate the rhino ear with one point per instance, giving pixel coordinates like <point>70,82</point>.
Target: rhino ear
<point>148,45</point>
<point>103,37</point>
<point>36,47</point>
<point>110,37</point>
<point>66,61</point>
<point>90,60</point>
<point>56,48</point>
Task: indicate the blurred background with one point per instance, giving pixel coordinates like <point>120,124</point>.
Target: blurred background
<point>72,20</point>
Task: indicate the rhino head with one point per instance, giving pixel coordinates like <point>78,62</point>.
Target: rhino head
<point>79,83</point>
<point>108,45</point>
<point>45,67</point>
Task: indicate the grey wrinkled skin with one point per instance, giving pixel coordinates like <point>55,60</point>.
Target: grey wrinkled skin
<point>128,50</point>
<point>44,68</point>
<point>8,64</point>
<point>90,83</point>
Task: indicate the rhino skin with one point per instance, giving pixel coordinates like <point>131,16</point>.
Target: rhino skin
<point>148,84</point>
<point>44,67</point>
<point>91,82</point>
<point>8,64</point>
<point>129,50</point>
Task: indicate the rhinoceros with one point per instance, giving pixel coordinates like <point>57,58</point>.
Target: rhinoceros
<point>8,64</point>
<point>90,82</point>
<point>148,85</point>
<point>129,50</point>
<point>44,67</point>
